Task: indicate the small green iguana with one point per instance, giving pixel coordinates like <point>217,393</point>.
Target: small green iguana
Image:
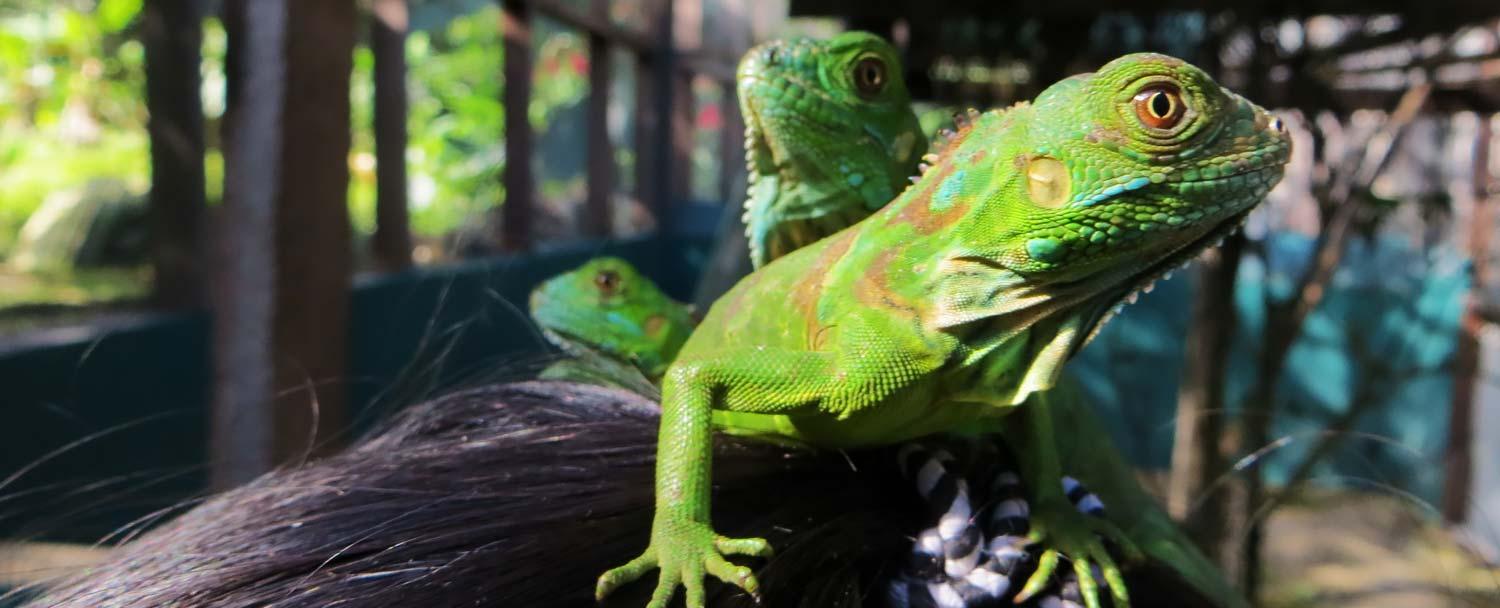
<point>964,296</point>
<point>830,137</point>
<point>617,325</point>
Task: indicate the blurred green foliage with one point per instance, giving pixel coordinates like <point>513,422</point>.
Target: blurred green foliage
<point>72,109</point>
<point>456,126</point>
<point>71,102</point>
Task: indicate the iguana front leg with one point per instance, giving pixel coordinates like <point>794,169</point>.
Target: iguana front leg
<point>684,545</point>
<point>1054,519</point>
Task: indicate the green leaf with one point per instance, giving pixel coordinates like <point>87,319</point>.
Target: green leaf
<point>115,15</point>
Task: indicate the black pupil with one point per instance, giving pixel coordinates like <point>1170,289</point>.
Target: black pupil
<point>870,74</point>
<point>1161,105</point>
<point>607,280</point>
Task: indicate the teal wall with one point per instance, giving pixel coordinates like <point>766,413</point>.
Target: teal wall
<point>1389,322</point>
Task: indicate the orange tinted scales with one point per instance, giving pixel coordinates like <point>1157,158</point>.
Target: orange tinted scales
<point>809,289</point>
<point>654,325</point>
<point>939,204</point>
<point>876,285</point>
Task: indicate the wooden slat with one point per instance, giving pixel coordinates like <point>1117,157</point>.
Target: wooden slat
<point>172,32</point>
<point>313,240</point>
<point>520,185</point>
<point>391,243</point>
<point>597,218</point>
<point>243,290</point>
<point>1458,454</point>
<point>593,22</point>
<point>653,109</point>
<point>731,149</point>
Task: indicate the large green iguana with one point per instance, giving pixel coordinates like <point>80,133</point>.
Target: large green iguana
<point>963,297</point>
<point>781,150</point>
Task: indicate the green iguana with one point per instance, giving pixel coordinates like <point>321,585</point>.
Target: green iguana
<point>830,137</point>
<point>774,117</point>
<point>962,298</point>
<point>617,324</point>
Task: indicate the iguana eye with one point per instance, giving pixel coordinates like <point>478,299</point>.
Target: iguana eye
<point>869,76</point>
<point>607,281</point>
<point>1159,106</point>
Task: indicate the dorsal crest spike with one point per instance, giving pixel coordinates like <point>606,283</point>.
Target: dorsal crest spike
<point>947,138</point>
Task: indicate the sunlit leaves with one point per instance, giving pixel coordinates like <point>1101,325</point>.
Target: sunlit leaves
<point>115,15</point>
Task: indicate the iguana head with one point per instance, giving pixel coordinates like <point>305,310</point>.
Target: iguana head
<point>1121,175</point>
<point>831,115</point>
<point>609,307</point>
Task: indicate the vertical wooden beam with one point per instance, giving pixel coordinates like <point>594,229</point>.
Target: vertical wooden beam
<point>1458,456</point>
<point>687,34</point>
<point>598,220</point>
<point>312,229</point>
<point>731,148</point>
<point>388,28</point>
<point>172,31</point>
<point>520,188</point>
<point>679,177</point>
<point>244,284</point>
<point>656,106</point>
<point>646,128</point>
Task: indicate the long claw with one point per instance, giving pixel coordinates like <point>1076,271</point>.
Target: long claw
<point>1087,586</point>
<point>634,569</point>
<point>1038,581</point>
<point>739,576</point>
<point>1116,581</point>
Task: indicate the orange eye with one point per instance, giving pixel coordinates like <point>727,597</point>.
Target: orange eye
<point>1159,106</point>
<point>869,76</point>
<point>607,281</point>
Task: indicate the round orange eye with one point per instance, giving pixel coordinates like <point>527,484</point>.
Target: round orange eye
<point>869,76</point>
<point>607,281</point>
<point>1160,106</point>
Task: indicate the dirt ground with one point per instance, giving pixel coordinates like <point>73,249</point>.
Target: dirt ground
<point>1347,550</point>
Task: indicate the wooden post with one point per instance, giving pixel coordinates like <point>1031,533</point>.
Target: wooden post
<point>598,219</point>
<point>241,421</point>
<point>653,109</point>
<point>687,34</point>
<point>312,229</point>
<point>1458,456</point>
<point>388,27</point>
<point>172,31</point>
<point>731,149</point>
<point>520,188</point>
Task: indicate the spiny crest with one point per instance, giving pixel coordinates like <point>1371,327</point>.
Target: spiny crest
<point>946,139</point>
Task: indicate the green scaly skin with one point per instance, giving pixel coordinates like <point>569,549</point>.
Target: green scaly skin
<point>1095,461</point>
<point>830,137</point>
<point>955,303</point>
<point>618,324</point>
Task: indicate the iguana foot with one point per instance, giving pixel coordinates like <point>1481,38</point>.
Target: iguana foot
<point>1066,532</point>
<point>685,551</point>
